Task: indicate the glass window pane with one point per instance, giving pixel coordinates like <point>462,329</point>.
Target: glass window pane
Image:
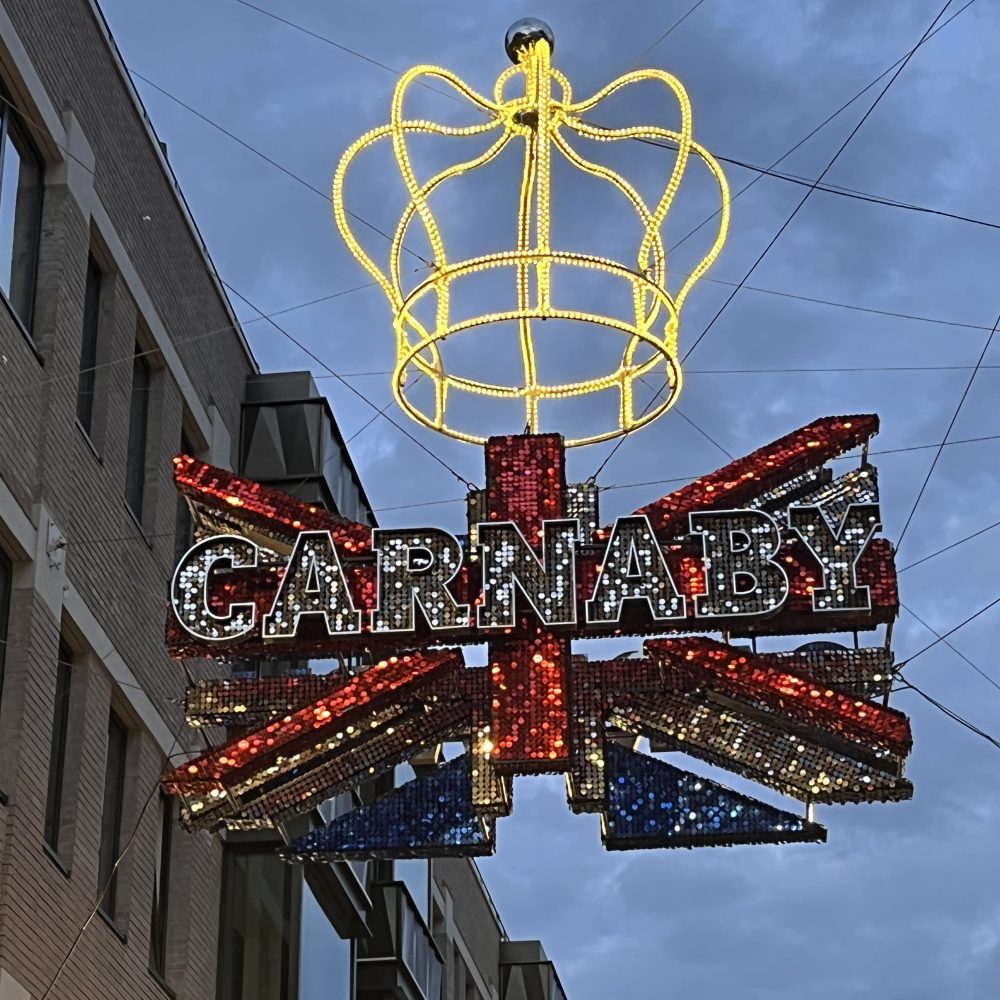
<point>4,613</point>
<point>324,956</point>
<point>255,931</point>
<point>161,890</point>
<point>135,472</point>
<point>88,346</point>
<point>184,525</point>
<point>20,223</point>
<point>413,873</point>
<point>57,755</point>
<point>111,819</point>
<point>8,205</point>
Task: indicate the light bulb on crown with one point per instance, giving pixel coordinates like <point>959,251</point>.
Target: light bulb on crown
<point>542,116</point>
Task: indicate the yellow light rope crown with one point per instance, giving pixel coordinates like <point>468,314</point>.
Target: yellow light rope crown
<point>541,119</point>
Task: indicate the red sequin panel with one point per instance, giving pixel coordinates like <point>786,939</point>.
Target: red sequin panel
<point>379,683</point>
<point>526,484</point>
<point>740,673</point>
<point>525,481</point>
<point>372,751</point>
<point>235,701</point>
<point>244,502</point>
<point>876,569</point>
<point>530,717</point>
<point>866,672</point>
<point>745,479</point>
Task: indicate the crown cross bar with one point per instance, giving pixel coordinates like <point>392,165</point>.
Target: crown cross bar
<point>533,211</point>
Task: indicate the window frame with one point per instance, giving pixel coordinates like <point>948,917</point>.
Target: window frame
<point>291,907</point>
<point>86,386</point>
<point>6,595</point>
<point>109,848</point>
<point>138,445</point>
<point>27,149</point>
<point>59,748</point>
<point>184,522</point>
<point>160,916</point>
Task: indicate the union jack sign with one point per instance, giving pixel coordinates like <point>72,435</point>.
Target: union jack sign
<point>774,544</point>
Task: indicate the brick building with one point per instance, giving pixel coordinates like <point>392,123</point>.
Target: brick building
<point>118,348</point>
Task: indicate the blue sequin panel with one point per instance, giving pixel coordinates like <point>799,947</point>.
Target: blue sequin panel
<point>650,803</point>
<point>428,817</point>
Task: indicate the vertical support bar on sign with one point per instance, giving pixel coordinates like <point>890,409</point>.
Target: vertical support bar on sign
<point>526,484</point>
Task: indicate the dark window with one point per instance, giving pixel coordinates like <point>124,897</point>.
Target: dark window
<point>57,757</point>
<point>256,927</point>
<point>161,891</point>
<point>324,956</point>
<point>20,216</point>
<point>111,819</point>
<point>184,526</point>
<point>138,426</point>
<point>4,612</point>
<point>88,347</point>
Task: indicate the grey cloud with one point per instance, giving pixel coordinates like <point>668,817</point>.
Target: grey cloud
<point>902,902</point>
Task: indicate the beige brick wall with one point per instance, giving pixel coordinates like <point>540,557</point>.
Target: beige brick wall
<point>120,572</point>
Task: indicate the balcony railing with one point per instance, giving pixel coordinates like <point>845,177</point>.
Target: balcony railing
<point>400,961</point>
<point>527,974</point>
<point>531,981</point>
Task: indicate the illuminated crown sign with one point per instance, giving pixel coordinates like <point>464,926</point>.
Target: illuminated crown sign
<point>773,544</point>
<point>540,114</point>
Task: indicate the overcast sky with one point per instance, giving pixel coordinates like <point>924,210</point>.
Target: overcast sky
<point>903,901</point>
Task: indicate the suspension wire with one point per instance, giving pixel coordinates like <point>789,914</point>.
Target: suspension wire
<point>666,34</point>
<point>808,371</point>
<point>267,159</point>
<point>951,425</point>
<point>951,713</point>
<point>708,437</point>
<point>853,307</point>
<point>948,548</point>
<point>377,414</point>
<point>357,392</point>
<point>899,67</point>
<point>121,857</point>
<point>975,666</point>
<point>345,48</point>
<point>843,192</point>
<point>813,185</point>
<point>864,90</point>
<point>941,638</point>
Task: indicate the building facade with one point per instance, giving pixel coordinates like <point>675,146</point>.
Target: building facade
<point>118,349</point>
